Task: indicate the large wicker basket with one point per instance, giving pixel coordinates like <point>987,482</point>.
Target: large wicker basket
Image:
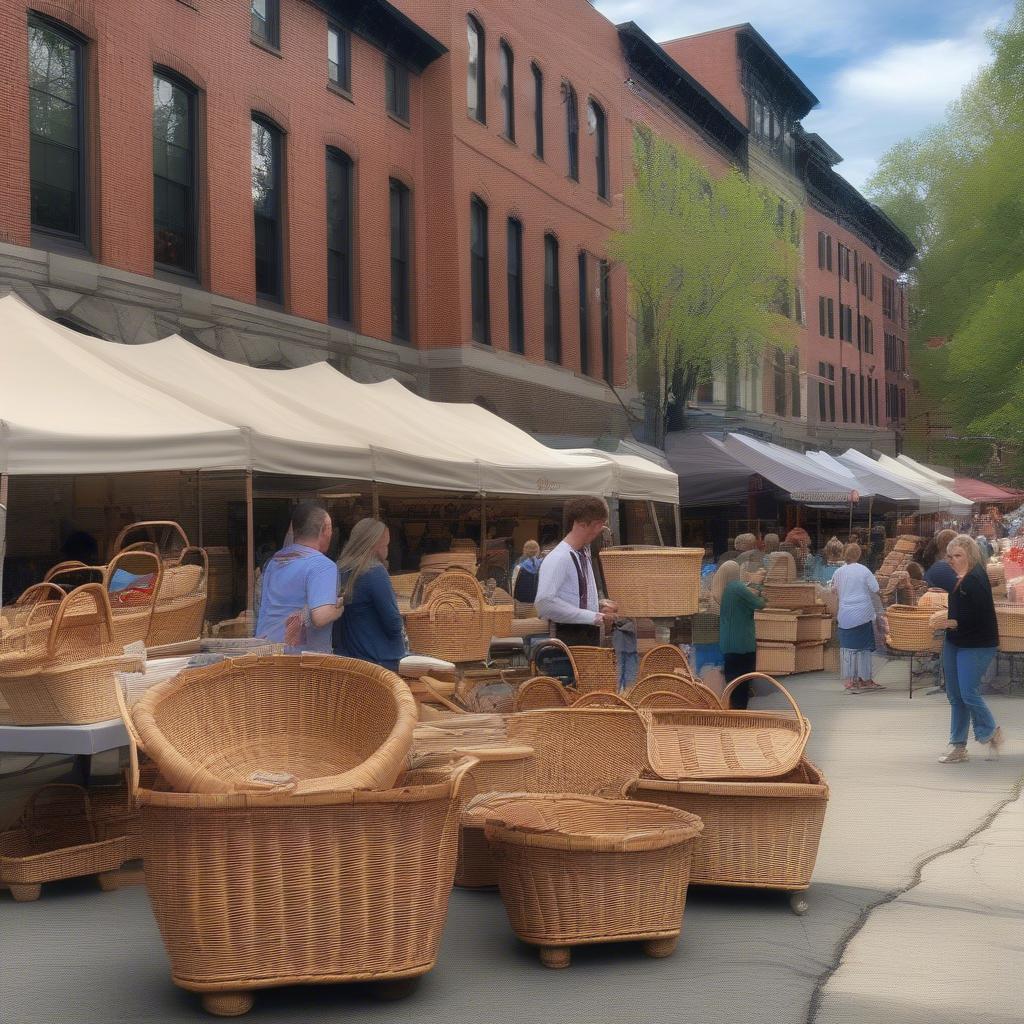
<point>57,837</point>
<point>698,744</point>
<point>776,625</point>
<point>910,628</point>
<point>761,833</point>
<point>812,628</point>
<point>456,627</point>
<point>253,891</point>
<point>301,724</point>
<point>131,607</point>
<point>664,658</point>
<point>1010,618</point>
<point>653,582</point>
<point>776,659</point>
<point>180,602</point>
<point>577,870</point>
<point>673,690</point>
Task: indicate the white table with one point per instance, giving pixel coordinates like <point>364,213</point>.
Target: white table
<point>80,741</point>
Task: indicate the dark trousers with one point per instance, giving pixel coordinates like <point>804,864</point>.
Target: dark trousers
<point>737,665</point>
<point>574,635</point>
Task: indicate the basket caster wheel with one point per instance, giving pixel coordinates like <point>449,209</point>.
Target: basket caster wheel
<point>555,957</point>
<point>26,893</point>
<point>397,988</point>
<point>659,948</point>
<point>798,903</point>
<point>227,1004</point>
<point>109,881</point>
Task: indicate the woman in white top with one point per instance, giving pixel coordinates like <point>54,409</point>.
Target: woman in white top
<point>859,607</point>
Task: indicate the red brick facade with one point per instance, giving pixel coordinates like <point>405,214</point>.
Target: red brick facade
<point>443,155</point>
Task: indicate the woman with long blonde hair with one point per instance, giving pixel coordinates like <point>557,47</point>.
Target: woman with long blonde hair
<point>371,628</point>
<point>736,606</point>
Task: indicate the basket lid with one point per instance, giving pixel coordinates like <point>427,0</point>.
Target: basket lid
<point>559,821</point>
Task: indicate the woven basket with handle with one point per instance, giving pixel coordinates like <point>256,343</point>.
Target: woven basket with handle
<point>652,582</point>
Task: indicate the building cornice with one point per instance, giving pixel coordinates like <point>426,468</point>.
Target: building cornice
<point>387,28</point>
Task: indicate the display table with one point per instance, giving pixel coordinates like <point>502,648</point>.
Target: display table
<point>80,741</point>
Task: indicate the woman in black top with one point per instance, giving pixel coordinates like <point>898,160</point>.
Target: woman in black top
<point>972,636</point>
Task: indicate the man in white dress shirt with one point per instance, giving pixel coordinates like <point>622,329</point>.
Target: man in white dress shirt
<point>566,589</point>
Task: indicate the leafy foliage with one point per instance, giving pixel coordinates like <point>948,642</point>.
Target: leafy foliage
<point>957,191</point>
<point>711,272</point>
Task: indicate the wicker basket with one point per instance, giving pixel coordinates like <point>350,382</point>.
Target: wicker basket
<point>576,870</point>
<point>830,658</point>
<point>653,582</point>
<point>455,580</point>
<point>131,608</point>
<point>239,628</point>
<point>762,834</point>
<point>163,536</point>
<point>602,699</point>
<point>72,680</point>
<point>776,659</point>
<point>697,744</point>
<point>684,692</point>
<point>810,657</point>
<point>432,565</point>
<point>180,602</point>
<point>705,628</point>
<point>595,669</point>
<point>776,625</point>
<point>456,627</point>
<point>811,628</point>
<point>907,544</point>
<point>789,595</point>
<point>1010,618</point>
<point>404,584</point>
<point>57,837</point>
<point>661,659</point>
<point>542,692</point>
<point>301,724</point>
<point>910,628</point>
<point>254,891</point>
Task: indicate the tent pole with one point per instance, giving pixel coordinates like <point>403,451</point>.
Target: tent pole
<point>871,507</point>
<point>374,500</point>
<point>250,547</point>
<point>3,529</point>
<point>851,518</point>
<point>483,529</point>
<point>199,509</point>
<point>657,525</point>
<point>679,524</point>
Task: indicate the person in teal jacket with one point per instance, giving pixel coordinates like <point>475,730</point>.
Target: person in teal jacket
<point>736,632</point>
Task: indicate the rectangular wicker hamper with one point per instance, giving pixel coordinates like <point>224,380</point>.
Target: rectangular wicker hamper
<point>810,657</point>
<point>776,659</point>
<point>1010,618</point>
<point>776,625</point>
<point>253,891</point>
<point>653,582</point>
<point>789,595</point>
<point>813,628</point>
<point>761,834</point>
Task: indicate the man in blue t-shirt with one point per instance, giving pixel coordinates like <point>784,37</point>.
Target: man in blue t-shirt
<point>299,599</point>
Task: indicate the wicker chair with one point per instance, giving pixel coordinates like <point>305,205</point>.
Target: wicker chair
<point>300,724</point>
<point>541,692</point>
<point>687,692</point>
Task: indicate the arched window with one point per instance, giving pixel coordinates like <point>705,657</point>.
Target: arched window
<point>56,130</point>
<point>508,98</point>
<point>175,210</point>
<point>597,123</point>
<point>572,130</point>
<point>267,200</point>
<point>514,274</point>
<point>479,271</point>
<point>476,82</point>
<point>538,110</point>
<point>401,271</point>
<point>339,235</point>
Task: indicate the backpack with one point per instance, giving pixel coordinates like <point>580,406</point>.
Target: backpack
<point>525,586</point>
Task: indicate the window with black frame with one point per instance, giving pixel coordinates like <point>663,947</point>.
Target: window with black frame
<point>508,91</point>
<point>538,111</point>
<point>267,207</point>
<point>514,271</point>
<point>476,80</point>
<point>56,131</point>
<point>607,368</point>
<point>572,130</point>
<point>175,228</point>
<point>339,235</point>
<point>401,292</point>
<point>479,271</point>
<point>552,302</point>
<point>396,89</point>
<point>339,57</point>
<point>584,312</point>
<point>598,125</point>
<point>266,21</point>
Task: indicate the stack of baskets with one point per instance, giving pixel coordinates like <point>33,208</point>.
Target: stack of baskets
<point>64,674</point>
<point>455,622</point>
<point>792,630</point>
<point>896,560</point>
<point>273,773</point>
<point>744,774</point>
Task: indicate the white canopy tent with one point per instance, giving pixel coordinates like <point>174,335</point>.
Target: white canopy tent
<point>946,498</point>
<point>869,480</point>
<point>926,471</point>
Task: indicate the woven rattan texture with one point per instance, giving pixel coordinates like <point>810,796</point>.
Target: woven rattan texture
<point>687,694</point>
<point>653,582</point>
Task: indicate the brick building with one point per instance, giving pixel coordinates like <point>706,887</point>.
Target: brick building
<point>417,190</point>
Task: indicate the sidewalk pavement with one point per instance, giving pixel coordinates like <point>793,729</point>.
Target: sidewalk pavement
<point>82,955</point>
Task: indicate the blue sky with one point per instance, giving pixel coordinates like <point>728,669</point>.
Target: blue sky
<point>882,69</point>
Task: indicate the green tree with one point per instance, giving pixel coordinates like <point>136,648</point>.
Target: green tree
<point>957,191</point>
<point>711,274</point>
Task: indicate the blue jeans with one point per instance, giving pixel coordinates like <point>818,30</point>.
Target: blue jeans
<point>963,668</point>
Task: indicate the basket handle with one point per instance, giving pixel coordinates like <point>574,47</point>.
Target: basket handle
<point>451,600</point>
<point>34,593</point>
<point>442,700</point>
<point>602,699</point>
<point>460,770</point>
<point>146,524</point>
<point>135,744</point>
<point>99,597</point>
<point>62,566</point>
<point>727,692</point>
<point>544,645</point>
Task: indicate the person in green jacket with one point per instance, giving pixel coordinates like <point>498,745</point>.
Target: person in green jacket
<point>736,632</point>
